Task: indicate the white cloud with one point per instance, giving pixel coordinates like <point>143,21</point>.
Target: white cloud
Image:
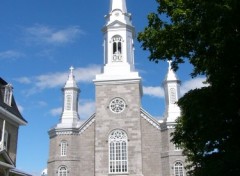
<point>23,80</point>
<point>56,111</point>
<point>158,92</point>
<point>154,91</point>
<point>11,54</point>
<point>58,79</point>
<point>192,84</point>
<point>86,109</point>
<point>42,34</point>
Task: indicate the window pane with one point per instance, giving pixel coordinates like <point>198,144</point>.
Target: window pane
<point>178,169</point>
<point>118,152</point>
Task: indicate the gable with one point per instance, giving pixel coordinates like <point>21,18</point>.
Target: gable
<point>145,115</point>
<point>117,24</point>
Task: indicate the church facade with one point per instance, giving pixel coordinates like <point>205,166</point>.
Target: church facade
<point>120,138</point>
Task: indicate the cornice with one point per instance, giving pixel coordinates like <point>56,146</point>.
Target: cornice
<point>150,119</point>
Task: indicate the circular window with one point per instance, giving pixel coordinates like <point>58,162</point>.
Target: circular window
<point>117,105</point>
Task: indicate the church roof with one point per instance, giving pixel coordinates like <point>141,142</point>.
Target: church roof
<point>13,109</point>
<point>145,115</point>
<point>83,125</point>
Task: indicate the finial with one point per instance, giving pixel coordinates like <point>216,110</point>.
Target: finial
<point>169,65</point>
<point>71,75</point>
<point>71,69</point>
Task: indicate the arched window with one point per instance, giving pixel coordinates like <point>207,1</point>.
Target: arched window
<point>178,169</point>
<point>63,148</point>
<point>117,48</point>
<point>118,155</point>
<point>62,171</point>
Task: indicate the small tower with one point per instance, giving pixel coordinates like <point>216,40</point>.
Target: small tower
<point>172,93</point>
<point>71,91</point>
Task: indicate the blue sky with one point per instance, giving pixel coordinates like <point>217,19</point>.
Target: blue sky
<point>41,39</point>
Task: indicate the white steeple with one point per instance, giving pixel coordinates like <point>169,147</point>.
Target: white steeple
<point>118,4</point>
<point>71,91</point>
<point>172,93</point>
<point>118,44</point>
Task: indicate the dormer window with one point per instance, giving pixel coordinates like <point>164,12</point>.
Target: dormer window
<point>8,91</point>
<point>117,48</point>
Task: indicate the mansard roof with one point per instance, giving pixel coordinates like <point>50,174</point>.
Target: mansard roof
<point>13,109</point>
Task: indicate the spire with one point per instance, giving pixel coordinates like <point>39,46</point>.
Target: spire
<point>71,79</point>
<point>118,5</point>
<point>71,91</point>
<point>172,93</point>
<point>171,76</point>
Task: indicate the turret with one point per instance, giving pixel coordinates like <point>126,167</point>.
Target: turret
<point>71,92</point>
<point>172,93</point>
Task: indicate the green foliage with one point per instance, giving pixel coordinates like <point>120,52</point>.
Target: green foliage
<point>207,33</point>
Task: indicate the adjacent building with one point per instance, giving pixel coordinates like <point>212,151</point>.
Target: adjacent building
<point>120,138</point>
<point>10,120</point>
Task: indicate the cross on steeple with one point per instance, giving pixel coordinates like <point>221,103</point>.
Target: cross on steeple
<point>71,69</point>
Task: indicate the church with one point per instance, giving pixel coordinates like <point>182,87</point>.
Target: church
<point>120,138</point>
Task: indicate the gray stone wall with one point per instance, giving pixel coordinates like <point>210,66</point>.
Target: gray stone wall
<point>80,153</point>
<point>85,151</point>
<point>169,155</point>
<point>128,120</point>
<point>151,149</point>
<point>71,160</point>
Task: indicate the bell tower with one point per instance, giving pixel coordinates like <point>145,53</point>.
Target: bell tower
<point>118,43</point>
<point>118,98</point>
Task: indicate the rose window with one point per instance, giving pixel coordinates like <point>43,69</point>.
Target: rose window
<point>117,105</point>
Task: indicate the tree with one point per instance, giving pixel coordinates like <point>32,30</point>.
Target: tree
<point>207,33</point>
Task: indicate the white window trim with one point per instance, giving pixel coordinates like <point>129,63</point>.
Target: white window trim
<point>63,148</point>
<point>117,55</point>
<point>178,168</point>
<point>62,172</point>
<point>118,152</point>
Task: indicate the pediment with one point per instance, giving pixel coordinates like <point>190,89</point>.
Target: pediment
<point>5,160</point>
<point>117,24</point>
